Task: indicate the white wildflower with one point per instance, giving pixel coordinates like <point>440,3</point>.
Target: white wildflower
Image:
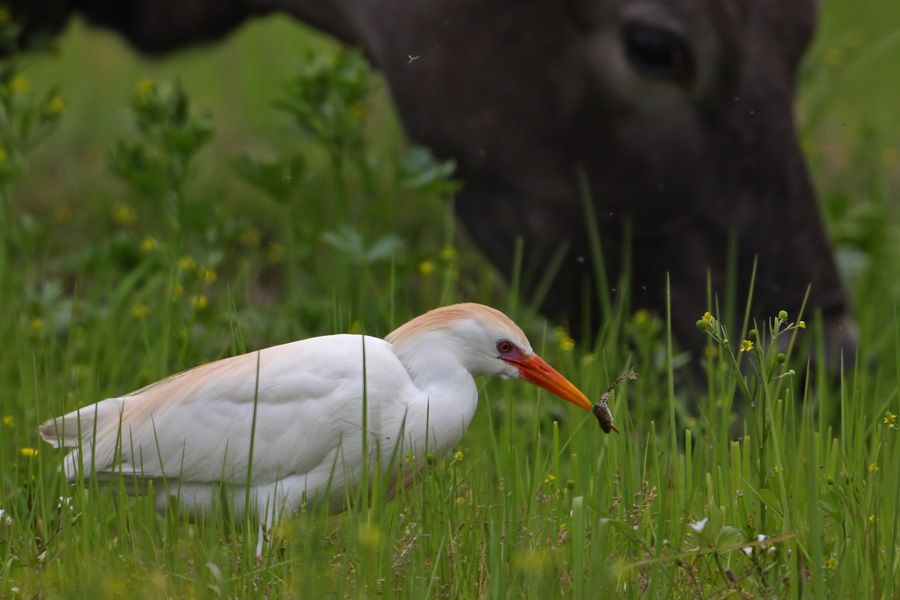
<point>699,525</point>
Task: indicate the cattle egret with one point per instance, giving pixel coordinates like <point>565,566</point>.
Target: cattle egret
<point>302,405</point>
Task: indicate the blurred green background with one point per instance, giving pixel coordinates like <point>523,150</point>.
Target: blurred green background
<point>849,85</point>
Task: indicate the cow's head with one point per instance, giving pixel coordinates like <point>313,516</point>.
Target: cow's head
<point>677,112</point>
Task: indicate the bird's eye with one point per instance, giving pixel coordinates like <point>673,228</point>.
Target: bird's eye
<point>504,346</point>
<point>658,52</point>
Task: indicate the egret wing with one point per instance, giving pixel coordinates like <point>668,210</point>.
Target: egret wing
<point>197,425</point>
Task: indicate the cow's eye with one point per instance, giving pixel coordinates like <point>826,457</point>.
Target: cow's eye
<point>658,52</point>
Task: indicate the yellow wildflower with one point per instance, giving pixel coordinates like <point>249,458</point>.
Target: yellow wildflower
<point>872,468</point>
<point>148,244</point>
<point>426,267</point>
<point>202,302</point>
<point>550,478</point>
<point>746,346</point>
<point>460,500</point>
<point>56,106</point>
<point>9,421</point>
<point>124,214</point>
<point>831,563</point>
<point>28,451</point>
<point>144,86</point>
<point>641,316</point>
<point>37,324</point>
<point>448,253</point>
<point>177,290</point>
<point>208,274</point>
<point>140,311</point>
<point>834,57</point>
<point>890,419</point>
<point>357,111</point>
<point>186,263</point>
<point>62,212</point>
<point>871,518</point>
<point>369,536</point>
<point>275,253</point>
<point>707,318</point>
<point>20,84</point>
<point>250,237</point>
<point>458,456</point>
<point>566,343</point>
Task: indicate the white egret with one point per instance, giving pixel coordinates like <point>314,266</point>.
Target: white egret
<point>302,405</point>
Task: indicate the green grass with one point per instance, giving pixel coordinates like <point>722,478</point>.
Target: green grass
<point>116,271</point>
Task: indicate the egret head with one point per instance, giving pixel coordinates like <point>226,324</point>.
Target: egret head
<point>486,342</point>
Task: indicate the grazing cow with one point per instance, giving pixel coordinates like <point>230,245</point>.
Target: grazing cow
<point>673,115</point>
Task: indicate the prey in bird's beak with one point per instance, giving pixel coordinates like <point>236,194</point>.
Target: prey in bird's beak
<point>533,369</point>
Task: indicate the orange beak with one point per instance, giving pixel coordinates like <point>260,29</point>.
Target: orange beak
<point>534,370</point>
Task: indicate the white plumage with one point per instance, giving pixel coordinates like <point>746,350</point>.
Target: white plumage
<point>192,432</point>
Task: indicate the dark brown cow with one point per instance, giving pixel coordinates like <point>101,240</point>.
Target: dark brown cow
<point>676,112</point>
